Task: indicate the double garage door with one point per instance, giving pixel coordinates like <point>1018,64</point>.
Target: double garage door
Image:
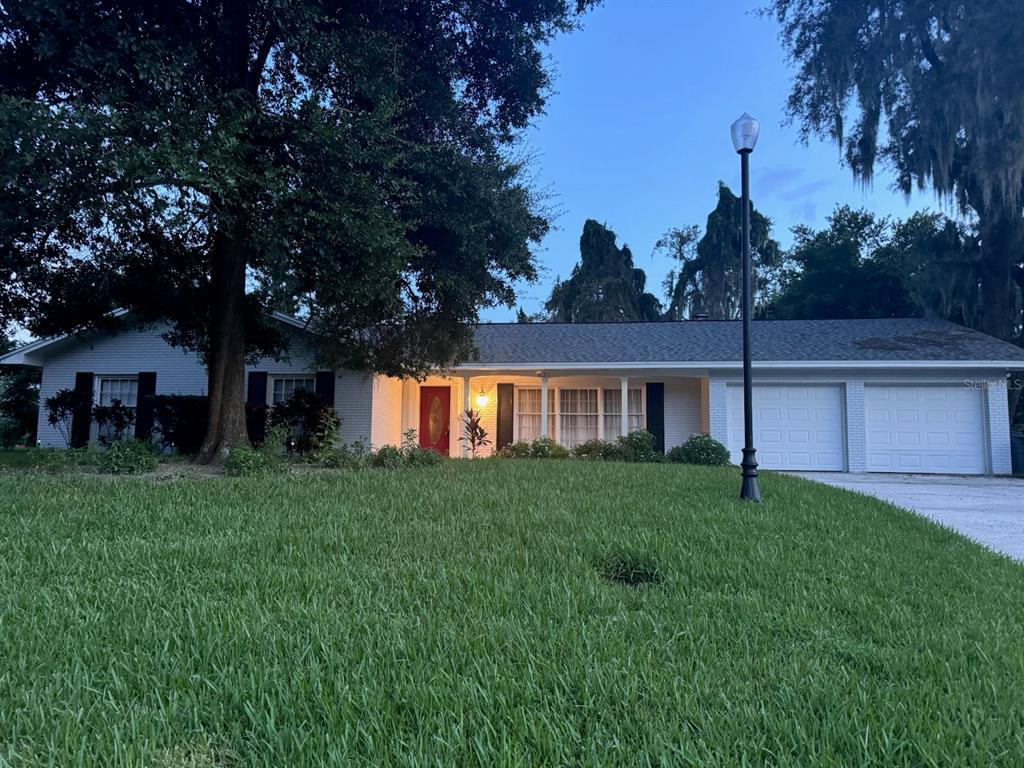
<point>907,428</point>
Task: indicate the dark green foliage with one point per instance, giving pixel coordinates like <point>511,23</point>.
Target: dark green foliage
<point>269,457</point>
<point>387,457</point>
<point>839,272</point>
<point>637,446</point>
<point>629,568</point>
<point>61,408</point>
<point>180,421</point>
<point>541,448</point>
<point>934,92</point>
<point>300,415</point>
<point>19,400</point>
<point>707,280</point>
<point>113,420</point>
<point>325,438</point>
<point>207,162</point>
<point>604,285</point>
<point>700,449</point>
<point>127,457</point>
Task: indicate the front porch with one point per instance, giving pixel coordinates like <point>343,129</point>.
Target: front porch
<point>570,407</point>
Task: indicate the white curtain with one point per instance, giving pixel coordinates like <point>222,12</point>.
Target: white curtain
<point>613,412</point>
<point>577,409</point>
<point>528,411</point>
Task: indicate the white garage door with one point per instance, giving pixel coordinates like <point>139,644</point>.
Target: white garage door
<point>795,427</point>
<point>925,429</point>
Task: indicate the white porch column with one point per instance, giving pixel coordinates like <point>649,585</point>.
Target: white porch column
<point>625,405</point>
<point>465,407</point>
<point>544,405</point>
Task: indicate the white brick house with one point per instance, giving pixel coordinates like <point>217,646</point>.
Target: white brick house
<point>902,395</point>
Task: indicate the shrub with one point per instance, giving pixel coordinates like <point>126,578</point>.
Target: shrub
<point>592,449</point>
<point>546,448</point>
<point>324,440</point>
<point>700,449</point>
<point>415,456</point>
<point>243,461</point>
<point>541,448</point>
<point>301,415</point>
<point>113,420</point>
<point>516,450</point>
<point>180,421</point>
<point>638,446</point>
<point>127,457</point>
<point>60,410</point>
<point>387,457</point>
<point>340,457</point>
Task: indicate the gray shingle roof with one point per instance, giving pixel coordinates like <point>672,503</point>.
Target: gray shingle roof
<point>709,341</point>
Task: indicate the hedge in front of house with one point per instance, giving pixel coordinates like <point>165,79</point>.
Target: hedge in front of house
<point>700,449</point>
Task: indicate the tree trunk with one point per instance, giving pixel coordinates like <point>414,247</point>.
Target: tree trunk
<point>997,230</point>
<point>226,373</point>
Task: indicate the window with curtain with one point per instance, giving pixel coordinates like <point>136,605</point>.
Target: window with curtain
<point>613,412</point>
<point>528,414</point>
<point>284,387</point>
<point>577,409</point>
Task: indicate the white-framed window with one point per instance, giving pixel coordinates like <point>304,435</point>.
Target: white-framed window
<point>577,411</point>
<point>613,412</point>
<point>122,387</point>
<point>283,387</point>
<point>528,414</point>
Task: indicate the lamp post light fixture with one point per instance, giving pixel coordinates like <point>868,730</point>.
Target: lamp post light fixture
<point>744,138</point>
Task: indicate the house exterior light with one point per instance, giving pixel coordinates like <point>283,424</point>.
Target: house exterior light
<point>481,399</point>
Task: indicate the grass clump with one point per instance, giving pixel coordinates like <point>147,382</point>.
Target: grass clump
<point>454,617</point>
<point>629,568</point>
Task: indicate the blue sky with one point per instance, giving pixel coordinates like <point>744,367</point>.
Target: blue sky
<point>637,133</point>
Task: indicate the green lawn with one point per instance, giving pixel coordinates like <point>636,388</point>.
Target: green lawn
<point>453,616</point>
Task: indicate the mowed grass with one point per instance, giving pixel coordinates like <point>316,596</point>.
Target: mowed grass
<point>454,616</point>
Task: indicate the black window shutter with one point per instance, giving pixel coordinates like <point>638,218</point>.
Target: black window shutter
<point>325,387</point>
<point>656,414</point>
<point>257,388</point>
<point>256,406</point>
<point>144,405</point>
<point>506,408</point>
<point>81,419</point>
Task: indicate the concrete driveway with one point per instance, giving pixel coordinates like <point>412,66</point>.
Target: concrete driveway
<point>989,510</point>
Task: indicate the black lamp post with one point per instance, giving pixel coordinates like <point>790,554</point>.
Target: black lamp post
<point>744,137</point>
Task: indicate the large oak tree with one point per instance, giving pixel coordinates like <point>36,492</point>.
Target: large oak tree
<point>932,89</point>
<point>207,162</point>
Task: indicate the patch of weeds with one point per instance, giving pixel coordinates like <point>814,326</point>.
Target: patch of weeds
<point>127,457</point>
<point>630,568</point>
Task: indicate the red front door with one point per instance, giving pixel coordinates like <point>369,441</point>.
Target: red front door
<point>435,417</point>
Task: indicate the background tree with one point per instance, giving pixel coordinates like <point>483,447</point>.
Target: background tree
<point>19,400</point>
<point>205,162</point>
<point>838,272</point>
<point>945,77</point>
<point>707,280</point>
<point>604,285</point>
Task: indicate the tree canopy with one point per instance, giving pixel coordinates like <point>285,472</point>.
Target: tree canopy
<point>707,280</point>
<point>934,88</point>
<point>206,162</point>
<point>604,285</point>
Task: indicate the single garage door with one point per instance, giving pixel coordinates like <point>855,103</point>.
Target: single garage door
<point>925,429</point>
<point>795,427</point>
